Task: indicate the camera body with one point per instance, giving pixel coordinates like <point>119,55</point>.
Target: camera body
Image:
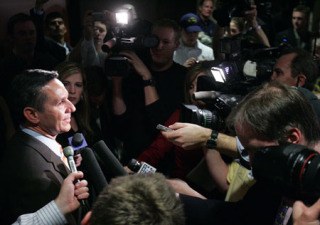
<point>227,81</point>
<point>129,33</point>
<point>292,169</point>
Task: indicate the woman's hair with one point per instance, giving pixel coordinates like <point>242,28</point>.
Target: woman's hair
<point>192,74</point>
<point>239,22</point>
<point>82,114</point>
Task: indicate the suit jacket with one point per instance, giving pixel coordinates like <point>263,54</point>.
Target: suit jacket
<point>31,177</point>
<point>287,36</point>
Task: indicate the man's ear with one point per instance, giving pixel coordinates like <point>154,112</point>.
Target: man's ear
<point>31,115</point>
<point>86,218</point>
<point>301,80</point>
<point>294,136</point>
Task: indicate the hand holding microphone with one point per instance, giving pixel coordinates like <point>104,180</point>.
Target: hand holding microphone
<point>70,193</point>
<point>69,153</point>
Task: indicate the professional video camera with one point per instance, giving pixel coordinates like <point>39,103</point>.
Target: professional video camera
<point>292,169</point>
<point>227,81</point>
<point>129,33</point>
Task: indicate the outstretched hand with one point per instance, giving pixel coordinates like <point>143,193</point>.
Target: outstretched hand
<point>187,135</point>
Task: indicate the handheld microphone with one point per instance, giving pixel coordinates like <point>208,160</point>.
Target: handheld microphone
<point>141,167</point>
<point>92,170</point>
<point>68,153</point>
<point>111,162</point>
<point>206,95</point>
<point>78,142</point>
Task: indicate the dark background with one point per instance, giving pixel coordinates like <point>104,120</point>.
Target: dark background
<point>147,9</point>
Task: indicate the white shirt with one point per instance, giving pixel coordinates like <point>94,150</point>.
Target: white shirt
<point>200,52</point>
<point>51,143</point>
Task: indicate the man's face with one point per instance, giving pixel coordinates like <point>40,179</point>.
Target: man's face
<point>57,28</point>
<point>163,53</point>
<point>252,141</point>
<point>282,70</point>
<point>56,117</point>
<point>24,37</point>
<point>189,39</point>
<point>206,9</point>
<point>100,32</point>
<point>299,20</point>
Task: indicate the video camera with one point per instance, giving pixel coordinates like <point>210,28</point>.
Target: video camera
<point>291,168</point>
<point>128,34</point>
<point>227,81</point>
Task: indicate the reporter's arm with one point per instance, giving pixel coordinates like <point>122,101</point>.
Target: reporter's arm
<point>49,214</point>
<point>188,136</point>
<point>66,202</point>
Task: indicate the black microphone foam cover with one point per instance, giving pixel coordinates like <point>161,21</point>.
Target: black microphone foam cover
<point>109,159</point>
<point>92,170</point>
<point>77,139</point>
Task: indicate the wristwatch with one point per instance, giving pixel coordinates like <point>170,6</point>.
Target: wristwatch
<point>150,82</point>
<point>212,142</point>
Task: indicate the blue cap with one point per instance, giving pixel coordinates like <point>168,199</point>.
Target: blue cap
<point>190,22</point>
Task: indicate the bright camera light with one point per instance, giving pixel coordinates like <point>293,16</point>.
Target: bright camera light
<point>122,17</point>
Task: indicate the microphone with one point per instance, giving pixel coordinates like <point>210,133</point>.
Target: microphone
<point>93,170</point>
<point>206,95</point>
<point>68,153</point>
<point>111,162</point>
<point>141,167</point>
<point>78,142</point>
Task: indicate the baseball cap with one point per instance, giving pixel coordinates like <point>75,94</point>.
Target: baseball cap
<point>190,22</point>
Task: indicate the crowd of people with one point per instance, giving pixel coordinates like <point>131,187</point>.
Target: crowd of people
<point>117,89</point>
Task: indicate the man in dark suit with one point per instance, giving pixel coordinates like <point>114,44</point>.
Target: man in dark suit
<point>51,32</point>
<point>32,169</point>
<point>298,35</point>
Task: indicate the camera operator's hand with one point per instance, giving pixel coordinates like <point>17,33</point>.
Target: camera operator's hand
<point>187,135</point>
<point>251,16</point>
<point>303,215</point>
<point>190,62</point>
<point>137,64</point>
<point>88,25</point>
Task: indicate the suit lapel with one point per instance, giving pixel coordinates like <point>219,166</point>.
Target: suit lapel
<point>45,152</point>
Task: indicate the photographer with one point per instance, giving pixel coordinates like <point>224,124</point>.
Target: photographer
<point>150,93</point>
<point>265,117</point>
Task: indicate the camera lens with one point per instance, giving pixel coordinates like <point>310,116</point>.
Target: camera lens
<point>293,169</point>
<point>208,119</point>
